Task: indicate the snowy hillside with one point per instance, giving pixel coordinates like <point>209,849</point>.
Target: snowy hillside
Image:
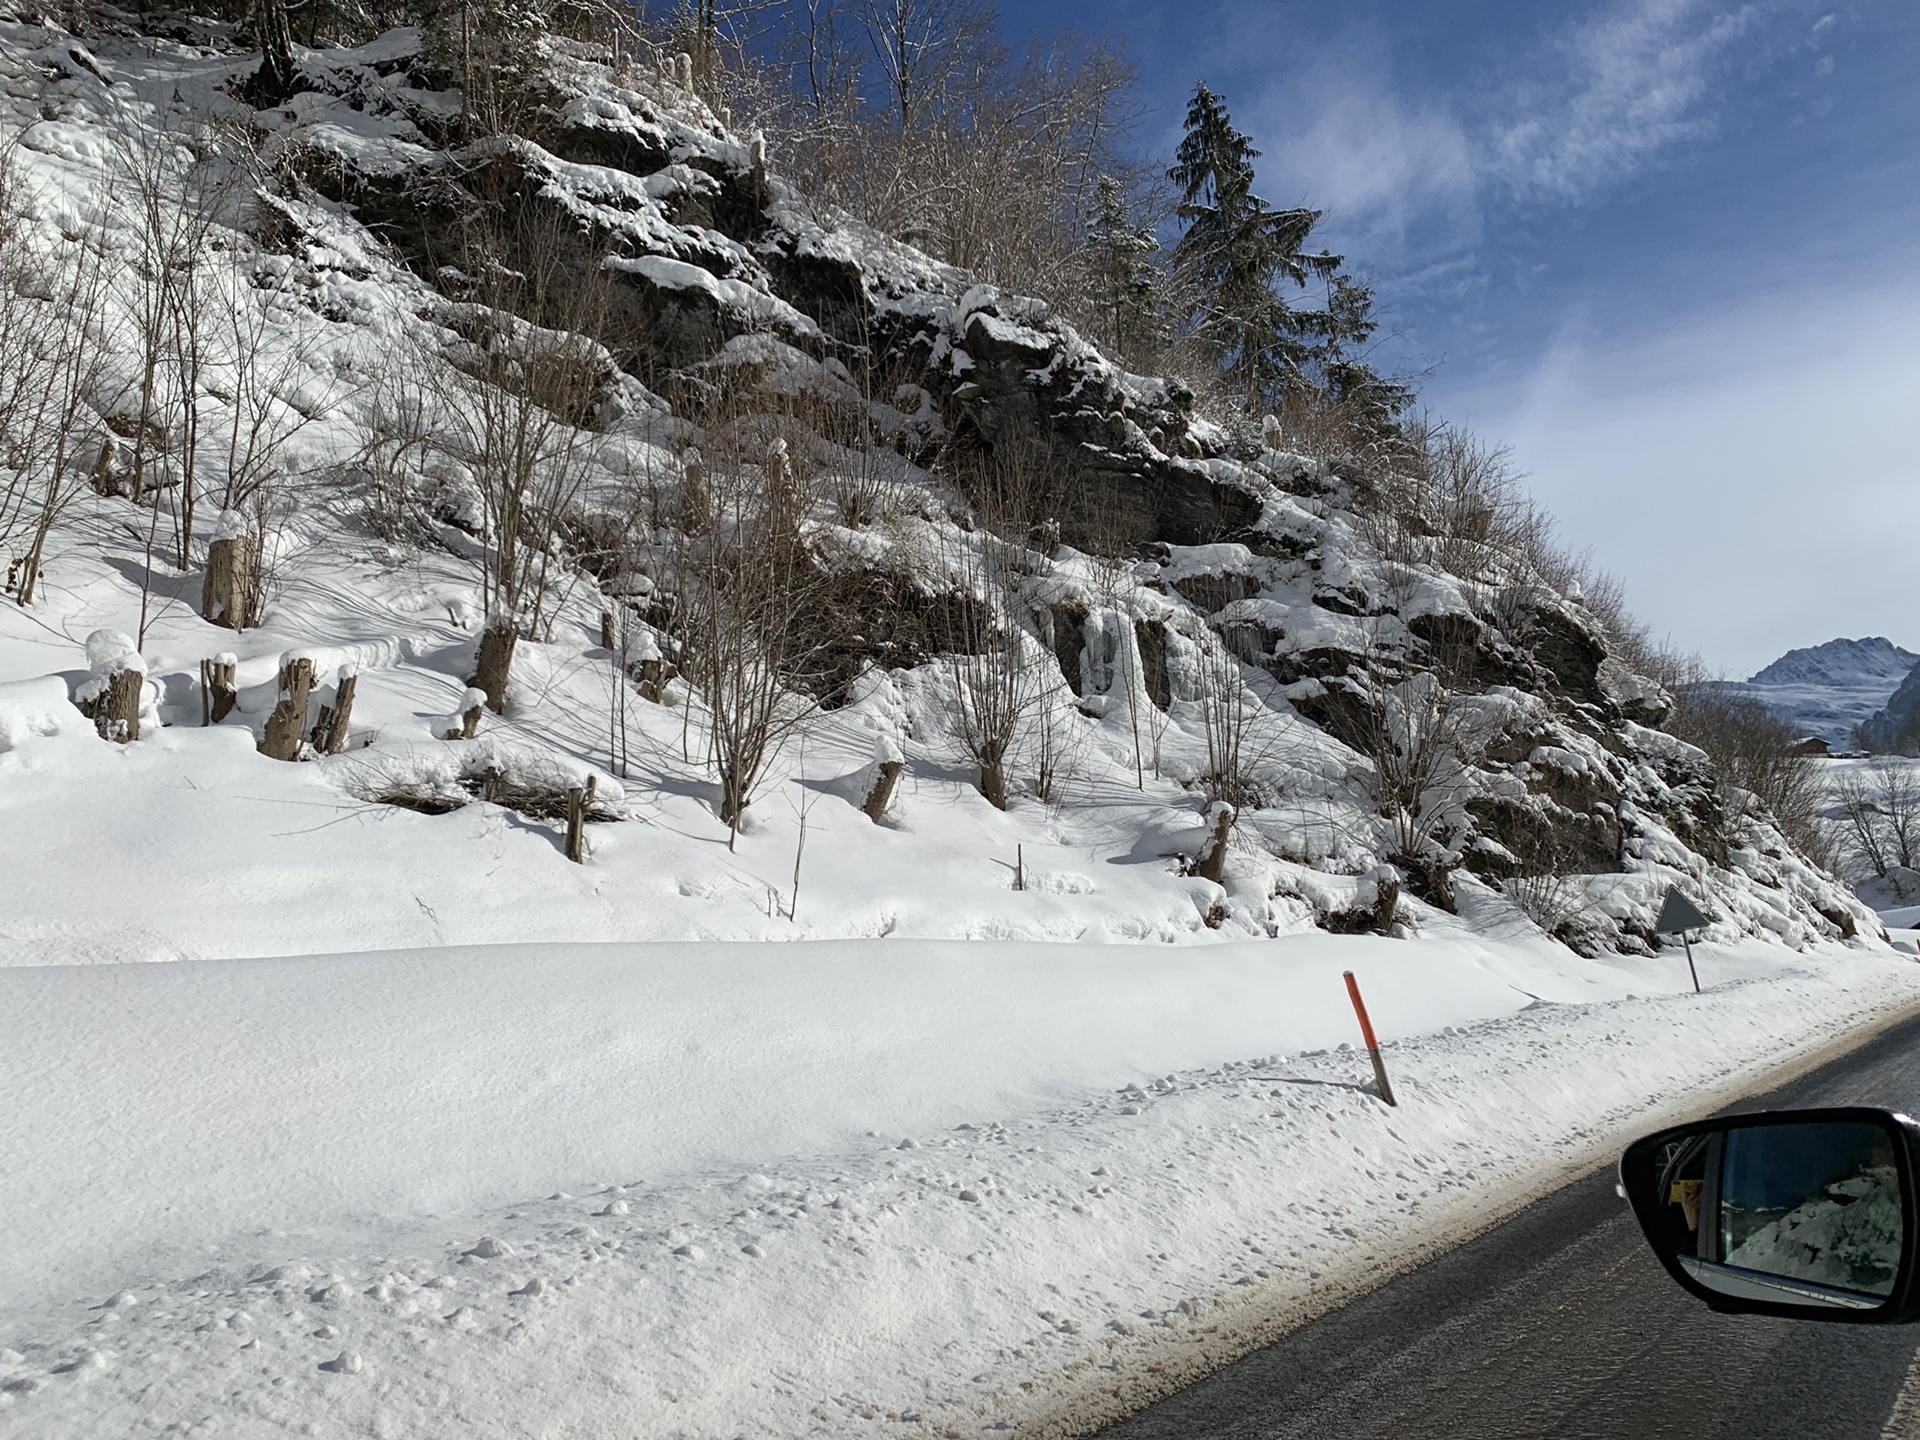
<point>447,574</point>
<point>1206,630</point>
<point>1831,690</point>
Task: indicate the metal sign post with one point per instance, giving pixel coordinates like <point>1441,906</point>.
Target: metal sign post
<point>1680,916</point>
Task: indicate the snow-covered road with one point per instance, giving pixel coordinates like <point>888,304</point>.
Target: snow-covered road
<point>792,1189</point>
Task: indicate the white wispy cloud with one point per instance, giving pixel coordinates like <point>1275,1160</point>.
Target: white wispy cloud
<point>1598,100</point>
<point>1748,472</point>
<point>1622,88</point>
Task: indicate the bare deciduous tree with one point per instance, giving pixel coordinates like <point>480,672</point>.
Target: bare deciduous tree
<point>1879,812</point>
<point>57,344</point>
<point>173,188</point>
<point>1003,677</point>
<point>1761,774</point>
<point>515,406</point>
<point>1422,738</point>
<point>752,589</point>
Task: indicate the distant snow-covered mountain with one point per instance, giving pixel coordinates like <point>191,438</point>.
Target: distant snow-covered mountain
<point>1897,726</point>
<point>1828,690</point>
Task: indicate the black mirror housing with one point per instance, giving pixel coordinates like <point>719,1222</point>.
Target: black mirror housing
<point>1804,1214</point>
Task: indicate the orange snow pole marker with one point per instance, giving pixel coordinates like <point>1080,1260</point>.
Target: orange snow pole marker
<point>1373,1045</point>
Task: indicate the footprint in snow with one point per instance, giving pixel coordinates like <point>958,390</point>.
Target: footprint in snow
<point>689,1252</point>
<point>490,1249</point>
<point>534,1287</point>
<point>345,1363</point>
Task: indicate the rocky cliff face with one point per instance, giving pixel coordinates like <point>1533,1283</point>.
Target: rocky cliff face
<point>731,282</point>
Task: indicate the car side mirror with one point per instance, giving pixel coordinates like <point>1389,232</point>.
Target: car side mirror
<point>1813,1214</point>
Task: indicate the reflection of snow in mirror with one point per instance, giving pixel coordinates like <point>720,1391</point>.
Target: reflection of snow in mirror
<point>1849,1235</point>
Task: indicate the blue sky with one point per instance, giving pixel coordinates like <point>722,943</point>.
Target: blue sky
<point>1667,249</point>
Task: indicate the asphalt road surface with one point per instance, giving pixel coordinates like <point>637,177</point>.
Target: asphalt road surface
<point>1561,1323</point>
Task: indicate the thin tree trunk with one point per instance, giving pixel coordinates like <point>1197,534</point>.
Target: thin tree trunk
<point>993,774</point>
<point>494,662</point>
<point>276,78</point>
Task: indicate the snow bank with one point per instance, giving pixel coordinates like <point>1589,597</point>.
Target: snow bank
<point>853,1189</point>
<point>414,1081</point>
<point>34,708</point>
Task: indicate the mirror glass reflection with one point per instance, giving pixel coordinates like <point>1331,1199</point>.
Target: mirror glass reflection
<point>1798,1213</point>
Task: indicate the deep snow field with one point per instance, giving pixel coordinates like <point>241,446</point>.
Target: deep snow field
<point>853,1188</point>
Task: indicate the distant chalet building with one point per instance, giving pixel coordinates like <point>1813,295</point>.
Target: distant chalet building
<point>1811,745</point>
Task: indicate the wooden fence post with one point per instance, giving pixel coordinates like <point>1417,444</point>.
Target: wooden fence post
<point>577,825</point>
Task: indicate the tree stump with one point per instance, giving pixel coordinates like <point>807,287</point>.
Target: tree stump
<point>1386,898</point>
<point>1213,864</point>
<point>330,731</point>
<point>229,583</point>
<point>287,726</point>
<point>652,677</point>
<point>606,630</point>
<point>112,697</point>
<point>495,660</point>
<point>881,795</point>
<point>118,715</point>
<point>109,471</point>
<point>220,688</point>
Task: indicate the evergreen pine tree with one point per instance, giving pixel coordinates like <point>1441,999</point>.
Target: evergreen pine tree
<point>1123,281</point>
<point>1236,252</point>
<point>1370,403</point>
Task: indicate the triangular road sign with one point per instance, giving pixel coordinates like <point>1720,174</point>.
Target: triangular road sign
<point>1679,914</point>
